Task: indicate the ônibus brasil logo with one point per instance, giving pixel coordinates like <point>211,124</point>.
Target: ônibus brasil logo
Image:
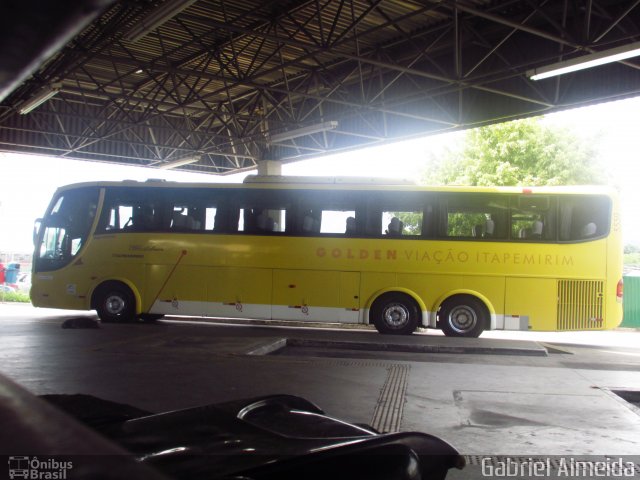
<point>34,468</point>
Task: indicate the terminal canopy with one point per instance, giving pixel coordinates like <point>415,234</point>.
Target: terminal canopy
<point>216,86</point>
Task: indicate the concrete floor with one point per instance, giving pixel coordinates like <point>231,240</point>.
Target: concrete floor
<point>505,398</point>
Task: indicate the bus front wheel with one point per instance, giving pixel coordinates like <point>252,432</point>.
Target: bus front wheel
<point>396,314</point>
<point>115,302</point>
<point>463,316</point>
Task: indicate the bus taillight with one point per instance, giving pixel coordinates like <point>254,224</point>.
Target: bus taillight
<point>619,290</point>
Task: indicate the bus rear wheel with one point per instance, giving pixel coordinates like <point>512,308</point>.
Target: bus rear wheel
<point>463,316</point>
<point>115,302</point>
<point>395,314</point>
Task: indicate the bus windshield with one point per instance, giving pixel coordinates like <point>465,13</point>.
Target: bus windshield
<point>65,228</point>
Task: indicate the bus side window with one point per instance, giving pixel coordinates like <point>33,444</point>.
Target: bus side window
<point>533,218</point>
<point>262,220</point>
<point>402,223</point>
<point>131,209</point>
<point>466,224</point>
<point>476,217</point>
<point>584,218</point>
<point>335,221</point>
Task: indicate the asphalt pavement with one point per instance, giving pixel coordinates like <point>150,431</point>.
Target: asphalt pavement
<point>506,393</point>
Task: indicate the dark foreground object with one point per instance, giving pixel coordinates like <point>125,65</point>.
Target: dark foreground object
<point>276,437</point>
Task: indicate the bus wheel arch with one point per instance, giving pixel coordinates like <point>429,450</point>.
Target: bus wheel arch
<point>464,315</point>
<point>115,301</point>
<point>396,313</point>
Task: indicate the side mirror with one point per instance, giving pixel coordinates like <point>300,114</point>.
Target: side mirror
<point>36,230</point>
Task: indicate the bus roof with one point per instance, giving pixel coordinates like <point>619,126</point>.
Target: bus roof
<point>351,183</point>
<point>286,179</point>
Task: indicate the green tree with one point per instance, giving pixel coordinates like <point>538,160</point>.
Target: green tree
<point>521,152</point>
<point>631,255</point>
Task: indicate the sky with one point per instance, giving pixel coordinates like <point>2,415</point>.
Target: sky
<point>27,182</point>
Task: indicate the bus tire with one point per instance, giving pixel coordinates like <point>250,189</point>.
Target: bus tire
<point>114,302</point>
<point>395,314</point>
<point>463,316</point>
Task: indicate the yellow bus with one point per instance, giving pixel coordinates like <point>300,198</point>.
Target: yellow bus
<point>461,259</point>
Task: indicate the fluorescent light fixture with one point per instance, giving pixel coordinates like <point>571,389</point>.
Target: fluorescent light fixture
<point>163,13</point>
<point>42,96</point>
<point>180,162</point>
<point>586,61</point>
<point>301,132</point>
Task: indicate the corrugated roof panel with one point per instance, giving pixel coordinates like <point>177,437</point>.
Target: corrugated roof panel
<point>224,74</point>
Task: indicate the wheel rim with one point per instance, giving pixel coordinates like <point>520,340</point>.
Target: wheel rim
<point>396,316</point>
<point>462,318</point>
<point>114,304</point>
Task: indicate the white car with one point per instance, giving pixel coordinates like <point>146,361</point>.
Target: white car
<point>24,282</point>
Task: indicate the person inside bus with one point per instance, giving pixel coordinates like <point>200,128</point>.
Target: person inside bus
<point>588,230</point>
<point>182,221</point>
<point>394,229</point>
<point>524,232</point>
<point>351,226</point>
<point>265,223</point>
<point>310,222</point>
<point>307,223</point>
<point>141,218</point>
<point>250,219</point>
<point>489,227</point>
<point>536,229</point>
